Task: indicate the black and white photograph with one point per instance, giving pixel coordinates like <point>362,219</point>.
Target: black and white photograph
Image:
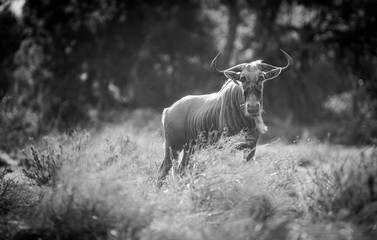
<point>188,119</point>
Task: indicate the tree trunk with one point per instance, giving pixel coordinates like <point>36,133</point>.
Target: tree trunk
<point>233,21</point>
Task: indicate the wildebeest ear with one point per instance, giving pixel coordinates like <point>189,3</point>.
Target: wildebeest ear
<point>232,75</point>
<point>272,74</point>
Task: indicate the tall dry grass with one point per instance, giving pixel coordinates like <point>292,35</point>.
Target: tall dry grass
<point>102,186</point>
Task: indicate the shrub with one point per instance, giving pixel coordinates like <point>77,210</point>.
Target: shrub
<point>14,194</point>
<point>85,209</point>
<point>345,189</point>
<point>46,161</point>
<point>84,197</point>
<point>43,168</point>
<point>17,124</point>
<point>8,193</point>
<point>104,188</point>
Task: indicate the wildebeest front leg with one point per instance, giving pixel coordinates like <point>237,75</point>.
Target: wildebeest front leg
<point>166,165</point>
<point>249,147</point>
<point>187,151</point>
<point>250,152</point>
<point>252,139</point>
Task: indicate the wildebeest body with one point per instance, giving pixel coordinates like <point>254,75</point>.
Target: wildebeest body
<point>194,115</point>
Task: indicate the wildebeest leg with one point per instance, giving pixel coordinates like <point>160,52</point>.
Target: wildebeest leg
<point>252,139</point>
<point>248,147</point>
<point>185,158</point>
<point>251,151</point>
<point>166,165</point>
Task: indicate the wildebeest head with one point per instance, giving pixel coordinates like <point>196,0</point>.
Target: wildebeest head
<point>252,76</point>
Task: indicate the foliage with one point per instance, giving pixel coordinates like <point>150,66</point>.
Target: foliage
<point>345,189</point>
<point>16,198</point>
<point>16,124</point>
<point>73,213</point>
<point>104,187</point>
<point>69,63</point>
<point>333,45</point>
<point>44,168</point>
<point>8,197</point>
<point>45,164</point>
<point>10,34</point>
<point>101,48</point>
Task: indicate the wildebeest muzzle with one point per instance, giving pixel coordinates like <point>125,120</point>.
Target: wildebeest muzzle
<point>253,110</point>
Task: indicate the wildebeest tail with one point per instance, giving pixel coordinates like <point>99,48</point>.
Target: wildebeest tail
<point>164,113</point>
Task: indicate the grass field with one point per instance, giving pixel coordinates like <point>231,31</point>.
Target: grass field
<point>102,186</point>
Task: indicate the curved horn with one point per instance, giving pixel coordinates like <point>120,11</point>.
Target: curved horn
<point>268,67</point>
<point>213,65</point>
<point>236,68</point>
<point>289,64</point>
<point>272,71</point>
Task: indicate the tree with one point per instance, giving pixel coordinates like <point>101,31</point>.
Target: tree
<point>10,35</point>
<point>334,45</point>
<point>91,49</point>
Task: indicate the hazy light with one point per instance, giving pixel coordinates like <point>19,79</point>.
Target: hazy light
<point>16,7</point>
<point>83,76</point>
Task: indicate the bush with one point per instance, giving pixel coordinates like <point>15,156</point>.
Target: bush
<point>16,200</point>
<point>103,187</point>
<point>45,163</point>
<point>17,124</point>
<point>74,213</point>
<point>79,200</point>
<point>8,193</point>
<point>14,194</point>
<point>344,189</point>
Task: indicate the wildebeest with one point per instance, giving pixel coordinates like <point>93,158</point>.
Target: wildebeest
<point>237,107</point>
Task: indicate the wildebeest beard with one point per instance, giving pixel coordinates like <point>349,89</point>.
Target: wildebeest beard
<point>252,110</point>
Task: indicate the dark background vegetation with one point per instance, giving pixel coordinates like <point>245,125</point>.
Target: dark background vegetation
<point>68,63</point>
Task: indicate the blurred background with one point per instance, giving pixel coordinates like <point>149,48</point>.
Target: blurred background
<point>71,64</point>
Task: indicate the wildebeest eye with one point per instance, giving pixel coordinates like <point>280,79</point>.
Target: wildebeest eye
<point>243,79</point>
